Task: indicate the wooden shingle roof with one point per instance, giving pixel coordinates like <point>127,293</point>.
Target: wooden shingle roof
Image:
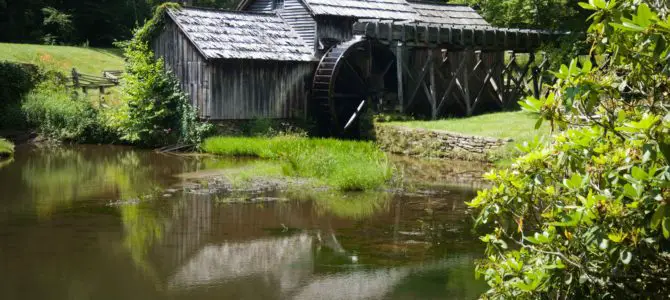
<point>447,14</point>
<point>241,35</point>
<point>378,9</point>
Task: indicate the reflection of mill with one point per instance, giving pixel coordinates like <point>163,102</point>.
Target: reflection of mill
<point>254,250</point>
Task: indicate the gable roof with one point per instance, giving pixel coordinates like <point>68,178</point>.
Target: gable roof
<point>447,14</point>
<point>397,10</point>
<point>378,9</point>
<point>220,34</point>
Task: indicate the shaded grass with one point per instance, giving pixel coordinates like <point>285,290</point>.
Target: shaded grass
<point>518,126</point>
<point>90,61</point>
<point>345,165</point>
<point>6,148</point>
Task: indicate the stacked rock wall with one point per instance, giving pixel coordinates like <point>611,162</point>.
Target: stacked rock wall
<point>435,143</point>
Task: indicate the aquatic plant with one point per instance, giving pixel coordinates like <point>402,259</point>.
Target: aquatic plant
<point>346,165</point>
<point>6,148</point>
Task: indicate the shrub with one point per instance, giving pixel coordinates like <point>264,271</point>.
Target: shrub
<point>154,111</point>
<point>346,165</point>
<point>16,80</point>
<point>587,216</point>
<point>6,148</point>
<point>56,113</point>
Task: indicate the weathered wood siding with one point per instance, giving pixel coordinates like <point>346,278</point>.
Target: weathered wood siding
<point>187,64</point>
<point>339,28</point>
<point>261,6</point>
<point>296,14</point>
<point>247,89</point>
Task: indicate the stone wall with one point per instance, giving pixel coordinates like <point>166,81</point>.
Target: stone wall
<point>435,143</point>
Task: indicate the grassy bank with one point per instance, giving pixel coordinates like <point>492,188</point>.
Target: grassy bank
<point>345,165</point>
<point>6,148</point>
<point>90,61</point>
<point>518,126</point>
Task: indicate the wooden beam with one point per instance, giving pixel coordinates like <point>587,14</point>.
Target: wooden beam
<point>399,63</point>
<point>433,92</point>
<point>418,81</point>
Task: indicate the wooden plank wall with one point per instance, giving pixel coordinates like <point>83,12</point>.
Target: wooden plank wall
<point>246,89</point>
<point>261,6</point>
<point>296,14</point>
<point>187,64</point>
<point>339,28</point>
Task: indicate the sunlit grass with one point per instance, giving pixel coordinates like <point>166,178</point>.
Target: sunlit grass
<point>90,61</point>
<point>518,126</point>
<point>345,165</point>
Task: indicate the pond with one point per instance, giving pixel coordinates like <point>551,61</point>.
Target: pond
<point>105,222</point>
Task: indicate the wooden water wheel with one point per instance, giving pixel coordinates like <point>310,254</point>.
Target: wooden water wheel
<point>352,77</point>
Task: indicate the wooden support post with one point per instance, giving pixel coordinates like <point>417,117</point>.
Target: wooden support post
<point>433,92</point>
<point>466,83</point>
<point>401,91</point>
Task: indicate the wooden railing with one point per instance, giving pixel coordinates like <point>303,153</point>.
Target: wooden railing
<point>85,82</point>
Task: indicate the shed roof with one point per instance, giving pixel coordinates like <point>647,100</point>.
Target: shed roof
<point>447,14</point>
<point>222,34</point>
<point>397,10</point>
<point>378,9</point>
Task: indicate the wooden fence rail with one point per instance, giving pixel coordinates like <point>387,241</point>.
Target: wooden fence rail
<point>86,82</point>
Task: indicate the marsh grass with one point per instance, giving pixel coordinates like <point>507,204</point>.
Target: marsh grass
<point>345,165</point>
<point>6,148</point>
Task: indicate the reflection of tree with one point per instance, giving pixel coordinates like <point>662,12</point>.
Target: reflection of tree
<point>58,177</point>
<point>354,206</point>
<point>5,162</point>
<point>143,227</point>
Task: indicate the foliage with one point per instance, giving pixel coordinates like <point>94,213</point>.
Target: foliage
<point>16,80</point>
<point>587,216</point>
<point>6,148</point>
<point>541,14</point>
<point>58,114</point>
<point>154,110</point>
<point>60,24</point>
<point>346,165</point>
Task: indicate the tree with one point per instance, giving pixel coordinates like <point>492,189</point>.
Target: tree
<point>587,215</point>
<point>542,14</point>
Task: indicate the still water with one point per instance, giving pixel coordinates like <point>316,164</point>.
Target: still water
<point>102,222</point>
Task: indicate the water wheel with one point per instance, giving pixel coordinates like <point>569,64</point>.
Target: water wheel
<point>351,78</point>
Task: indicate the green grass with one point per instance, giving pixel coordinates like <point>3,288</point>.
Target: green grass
<point>345,165</point>
<point>6,148</point>
<point>90,61</point>
<point>518,126</point>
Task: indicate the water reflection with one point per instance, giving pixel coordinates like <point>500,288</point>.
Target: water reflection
<point>317,245</point>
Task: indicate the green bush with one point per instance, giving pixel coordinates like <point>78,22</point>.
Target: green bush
<point>16,80</point>
<point>58,114</point>
<point>346,165</point>
<point>154,110</point>
<point>6,148</point>
<point>588,215</point>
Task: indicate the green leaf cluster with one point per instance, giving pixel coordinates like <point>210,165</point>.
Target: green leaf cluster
<point>587,215</point>
<point>154,110</point>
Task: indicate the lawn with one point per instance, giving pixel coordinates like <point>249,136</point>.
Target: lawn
<point>345,165</point>
<point>519,126</point>
<point>91,61</point>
